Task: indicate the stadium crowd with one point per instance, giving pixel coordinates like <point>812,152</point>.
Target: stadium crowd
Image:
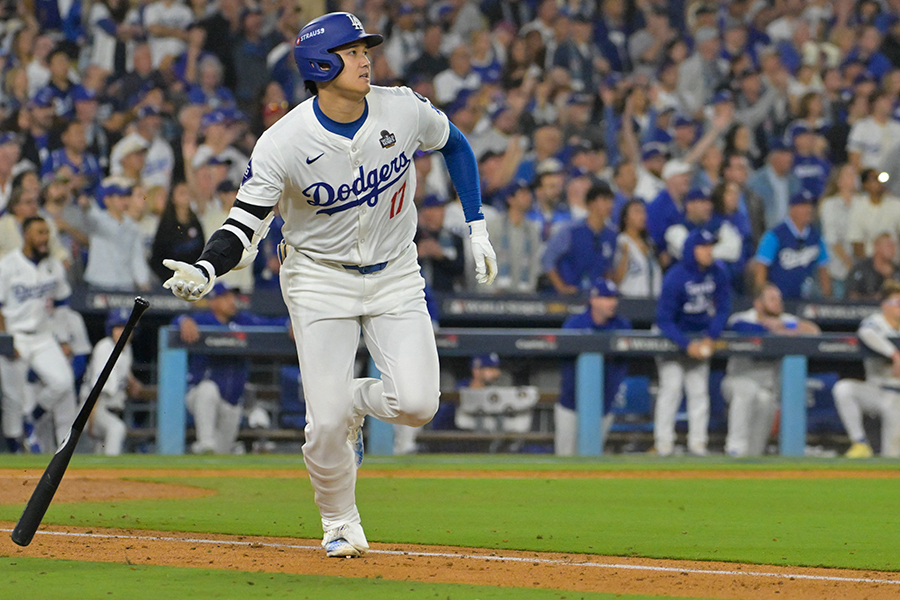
<point>607,133</point>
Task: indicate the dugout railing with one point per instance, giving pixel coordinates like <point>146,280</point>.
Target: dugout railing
<point>588,349</point>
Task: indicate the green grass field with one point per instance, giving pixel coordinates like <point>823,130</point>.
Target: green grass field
<point>831,522</point>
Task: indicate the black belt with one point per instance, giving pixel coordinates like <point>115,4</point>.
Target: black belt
<point>365,270</point>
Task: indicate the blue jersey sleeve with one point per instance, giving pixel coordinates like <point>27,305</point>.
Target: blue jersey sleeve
<point>667,308</point>
<point>823,253</point>
<point>463,169</point>
<point>768,248</point>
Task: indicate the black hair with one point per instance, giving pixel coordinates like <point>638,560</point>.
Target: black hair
<point>27,223</point>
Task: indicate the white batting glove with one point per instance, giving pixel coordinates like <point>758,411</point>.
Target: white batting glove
<point>485,257</point>
<point>188,283</point>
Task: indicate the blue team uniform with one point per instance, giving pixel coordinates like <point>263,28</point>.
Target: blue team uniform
<point>792,257</point>
<point>579,254</point>
<point>662,213</point>
<point>616,369</point>
<point>228,372</point>
<point>813,173</point>
<point>89,168</point>
<point>693,300</point>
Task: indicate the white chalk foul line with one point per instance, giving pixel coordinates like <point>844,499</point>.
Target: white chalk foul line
<point>493,557</point>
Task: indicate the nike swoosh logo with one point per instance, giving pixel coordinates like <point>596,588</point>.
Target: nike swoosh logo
<point>310,161</point>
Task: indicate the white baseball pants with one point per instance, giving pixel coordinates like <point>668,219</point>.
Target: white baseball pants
<point>43,354</point>
<point>692,376</point>
<point>108,429</point>
<point>853,398</point>
<point>217,423</point>
<point>751,413</point>
<point>329,305</point>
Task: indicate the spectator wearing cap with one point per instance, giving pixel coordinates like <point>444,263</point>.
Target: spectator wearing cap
<point>875,213</point>
<point>866,278</point>
<point>179,235</point>
<point>872,138</point>
<point>684,136</point>
<point>160,161</point>
<point>702,72</point>
<point>133,158</point>
<point>116,254</point>
<point>440,250</point>
<point>496,171</point>
<point>602,314</point>
<point>431,60</point>
<point>404,45</point>
<point>207,88</point>
<point>82,166</point>
<point>776,183</point>
<point>216,383</point>
<point>36,139</point>
<point>584,250</point>
<point>86,105</point>
<point>695,301</point>
<point>167,24</point>
<point>517,241</point>
<point>651,180</point>
<point>550,210</point>
<point>667,208</point>
<point>810,166</point>
<point>578,56</point>
<point>637,271</point>
<point>698,211</point>
<point>793,254</point>
<point>60,85</point>
<point>458,77</point>
<point>221,128</point>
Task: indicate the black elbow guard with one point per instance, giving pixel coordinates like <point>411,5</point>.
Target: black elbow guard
<point>223,251</point>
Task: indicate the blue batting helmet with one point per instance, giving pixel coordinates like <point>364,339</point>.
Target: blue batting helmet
<point>117,317</point>
<point>318,38</point>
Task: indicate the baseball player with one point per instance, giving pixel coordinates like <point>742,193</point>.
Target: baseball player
<point>752,385</point>
<point>601,315</point>
<point>31,283</point>
<point>339,166</point>
<point>106,425</point>
<point>695,299</point>
<point>879,394</point>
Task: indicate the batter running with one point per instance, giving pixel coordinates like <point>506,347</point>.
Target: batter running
<point>340,168</point>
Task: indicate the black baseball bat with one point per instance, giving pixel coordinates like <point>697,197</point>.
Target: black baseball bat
<point>53,474</point>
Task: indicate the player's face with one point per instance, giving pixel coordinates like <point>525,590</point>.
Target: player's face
<point>117,332</point>
<point>771,301</point>
<point>356,75</point>
<point>891,307</point>
<point>37,237</point>
<point>489,375</point>
<point>603,308</point>
<point>704,254</point>
<point>224,305</point>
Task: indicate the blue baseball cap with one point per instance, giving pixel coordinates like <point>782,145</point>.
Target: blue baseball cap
<point>701,237</point>
<point>117,317</point>
<point>778,145</point>
<point>722,96</point>
<point>9,137</point>
<point>684,121</point>
<point>116,187</point>
<point>651,149</point>
<point>83,94</point>
<point>432,200</point>
<point>215,117</point>
<point>219,289</point>
<point>147,110</point>
<point>604,287</point>
<point>486,360</point>
<point>43,98</point>
<point>697,193</point>
<point>804,196</point>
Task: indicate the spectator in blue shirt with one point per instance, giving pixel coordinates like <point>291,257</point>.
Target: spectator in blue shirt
<point>73,156</point>
<point>601,315</point>
<point>582,252</point>
<point>793,253</point>
<point>809,166</point>
<point>217,382</point>
<point>667,208</point>
<point>695,300</point>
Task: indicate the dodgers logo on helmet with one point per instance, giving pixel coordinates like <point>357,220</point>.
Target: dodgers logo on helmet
<point>313,49</point>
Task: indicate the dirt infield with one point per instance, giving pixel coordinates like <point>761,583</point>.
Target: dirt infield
<point>503,568</point>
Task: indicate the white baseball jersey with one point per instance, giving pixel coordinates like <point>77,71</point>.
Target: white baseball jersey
<point>113,394</point>
<point>342,200</point>
<point>28,291</point>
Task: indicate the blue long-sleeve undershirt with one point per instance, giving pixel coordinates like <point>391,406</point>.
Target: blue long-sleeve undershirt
<point>463,169</point>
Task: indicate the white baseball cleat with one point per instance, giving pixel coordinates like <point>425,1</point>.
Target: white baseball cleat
<point>345,541</point>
